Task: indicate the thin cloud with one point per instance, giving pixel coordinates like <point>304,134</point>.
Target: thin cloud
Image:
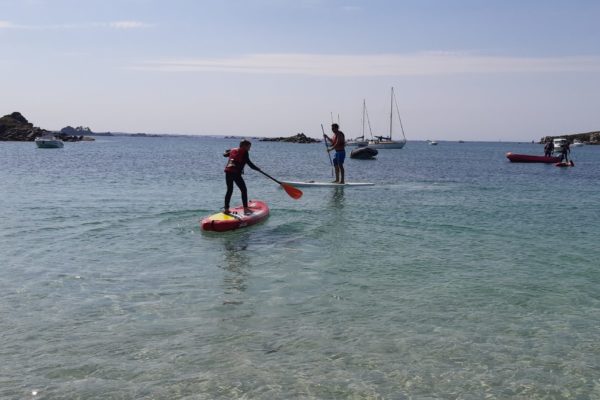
<point>7,25</point>
<point>120,25</point>
<point>426,63</point>
<point>128,25</point>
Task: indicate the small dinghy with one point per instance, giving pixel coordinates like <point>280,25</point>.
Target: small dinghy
<point>364,153</point>
<point>48,142</point>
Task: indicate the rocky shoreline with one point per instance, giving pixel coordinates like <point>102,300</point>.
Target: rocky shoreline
<point>15,127</point>
<point>587,138</point>
<point>298,138</point>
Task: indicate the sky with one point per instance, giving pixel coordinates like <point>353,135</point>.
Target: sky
<point>508,70</point>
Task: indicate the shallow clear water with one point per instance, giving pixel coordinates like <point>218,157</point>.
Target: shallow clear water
<point>458,276</point>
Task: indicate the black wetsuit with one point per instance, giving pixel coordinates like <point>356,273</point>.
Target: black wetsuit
<point>234,174</point>
<point>548,149</point>
<point>565,152</point>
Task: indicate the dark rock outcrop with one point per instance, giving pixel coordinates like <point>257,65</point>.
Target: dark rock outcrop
<point>80,130</point>
<point>299,138</point>
<point>16,127</point>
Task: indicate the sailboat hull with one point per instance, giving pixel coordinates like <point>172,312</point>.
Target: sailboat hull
<point>387,144</point>
<point>357,143</point>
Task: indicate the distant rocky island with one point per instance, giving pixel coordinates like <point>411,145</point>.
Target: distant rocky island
<point>588,138</point>
<point>298,138</point>
<point>15,127</point>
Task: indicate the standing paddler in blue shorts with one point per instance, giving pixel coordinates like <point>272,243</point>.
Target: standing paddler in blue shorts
<point>338,143</point>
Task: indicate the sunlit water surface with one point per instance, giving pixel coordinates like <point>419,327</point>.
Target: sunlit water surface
<point>458,276</point>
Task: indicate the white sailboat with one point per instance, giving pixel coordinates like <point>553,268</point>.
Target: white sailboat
<point>361,141</point>
<point>386,142</point>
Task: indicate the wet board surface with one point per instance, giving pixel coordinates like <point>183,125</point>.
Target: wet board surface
<point>565,164</point>
<point>326,184</point>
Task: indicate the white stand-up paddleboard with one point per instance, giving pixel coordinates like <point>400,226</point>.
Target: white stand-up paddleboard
<point>327,184</point>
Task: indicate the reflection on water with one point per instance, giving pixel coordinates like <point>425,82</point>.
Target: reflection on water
<point>337,199</point>
<point>435,283</point>
<point>236,261</point>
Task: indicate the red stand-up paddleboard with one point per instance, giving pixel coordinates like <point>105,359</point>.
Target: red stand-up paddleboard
<point>236,218</point>
<point>565,164</point>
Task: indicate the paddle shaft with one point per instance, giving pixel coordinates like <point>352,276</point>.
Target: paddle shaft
<point>326,148</point>
<point>289,189</point>
<point>269,176</point>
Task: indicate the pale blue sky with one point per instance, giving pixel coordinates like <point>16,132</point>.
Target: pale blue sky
<point>472,70</point>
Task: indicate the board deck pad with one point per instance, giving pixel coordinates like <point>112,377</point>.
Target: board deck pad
<point>236,218</point>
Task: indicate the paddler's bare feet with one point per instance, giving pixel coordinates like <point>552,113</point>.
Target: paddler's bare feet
<point>226,211</point>
<point>247,211</point>
<point>342,182</point>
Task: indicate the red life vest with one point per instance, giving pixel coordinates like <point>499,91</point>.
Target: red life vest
<point>236,160</point>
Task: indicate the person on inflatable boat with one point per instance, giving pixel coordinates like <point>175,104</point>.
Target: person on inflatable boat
<point>237,159</point>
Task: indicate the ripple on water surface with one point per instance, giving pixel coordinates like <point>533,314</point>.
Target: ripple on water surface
<point>459,275</point>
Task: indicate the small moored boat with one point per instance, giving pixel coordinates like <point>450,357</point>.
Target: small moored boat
<point>364,153</point>
<point>48,142</point>
<point>386,142</point>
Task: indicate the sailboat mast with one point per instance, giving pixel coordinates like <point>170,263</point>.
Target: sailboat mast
<point>363,119</point>
<point>391,111</point>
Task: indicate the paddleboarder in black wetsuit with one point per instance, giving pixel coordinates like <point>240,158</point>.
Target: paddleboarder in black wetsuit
<point>237,160</point>
<point>564,156</point>
<point>548,149</point>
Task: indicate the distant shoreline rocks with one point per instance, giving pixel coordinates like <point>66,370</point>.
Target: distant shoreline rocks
<point>15,127</point>
<point>588,138</point>
<point>298,138</point>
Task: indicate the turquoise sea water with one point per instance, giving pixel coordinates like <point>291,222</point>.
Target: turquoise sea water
<point>458,276</point>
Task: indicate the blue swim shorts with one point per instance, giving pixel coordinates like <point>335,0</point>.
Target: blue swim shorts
<point>339,158</point>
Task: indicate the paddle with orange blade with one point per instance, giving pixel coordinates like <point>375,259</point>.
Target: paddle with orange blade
<point>294,192</point>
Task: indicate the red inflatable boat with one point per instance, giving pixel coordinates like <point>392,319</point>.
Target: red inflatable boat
<point>235,219</point>
<point>526,158</point>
